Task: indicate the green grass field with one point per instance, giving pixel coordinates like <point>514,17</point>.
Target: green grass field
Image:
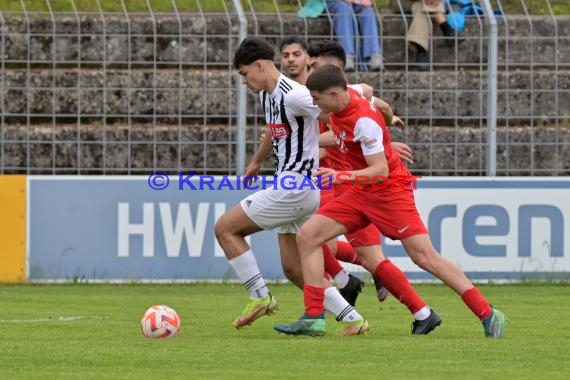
<point>101,337</point>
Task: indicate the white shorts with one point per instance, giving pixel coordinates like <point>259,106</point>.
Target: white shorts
<point>287,209</point>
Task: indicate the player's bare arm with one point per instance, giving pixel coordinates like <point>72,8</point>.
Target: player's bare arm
<point>262,152</point>
<point>377,167</point>
<point>367,91</point>
<point>326,140</point>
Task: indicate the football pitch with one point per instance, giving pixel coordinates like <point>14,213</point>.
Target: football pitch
<point>93,332</point>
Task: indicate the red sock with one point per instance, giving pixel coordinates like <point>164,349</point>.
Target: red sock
<point>477,303</point>
<point>397,283</point>
<point>314,300</point>
<point>332,266</point>
<point>345,252</point>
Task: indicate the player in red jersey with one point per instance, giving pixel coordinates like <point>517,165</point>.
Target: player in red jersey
<point>366,242</point>
<point>379,178</point>
<point>363,246</point>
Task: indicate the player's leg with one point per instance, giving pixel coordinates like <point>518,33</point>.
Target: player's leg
<point>318,230</point>
<point>422,252</point>
<point>231,230</point>
<point>266,209</point>
<point>350,286</point>
<point>396,282</point>
<point>366,245</point>
<point>364,258</point>
<point>352,323</point>
<point>329,222</point>
<point>290,260</point>
<point>344,251</point>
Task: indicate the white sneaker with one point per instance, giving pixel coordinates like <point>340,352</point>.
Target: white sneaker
<point>375,62</point>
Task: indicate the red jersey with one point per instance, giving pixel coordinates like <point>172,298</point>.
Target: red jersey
<point>360,130</point>
<point>334,158</point>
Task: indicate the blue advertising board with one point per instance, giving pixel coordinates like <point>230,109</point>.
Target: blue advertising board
<point>120,228</point>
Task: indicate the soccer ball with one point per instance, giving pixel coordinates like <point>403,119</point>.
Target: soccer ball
<point>160,321</point>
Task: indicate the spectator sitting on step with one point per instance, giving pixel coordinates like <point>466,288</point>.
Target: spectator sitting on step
<point>345,30</point>
<point>344,14</point>
<point>421,27</point>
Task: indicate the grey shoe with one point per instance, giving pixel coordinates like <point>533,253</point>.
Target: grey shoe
<point>349,67</point>
<point>375,63</point>
<point>494,325</point>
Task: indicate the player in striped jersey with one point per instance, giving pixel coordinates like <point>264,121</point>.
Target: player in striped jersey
<point>292,134</point>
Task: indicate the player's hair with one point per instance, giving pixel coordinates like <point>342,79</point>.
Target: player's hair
<point>251,49</point>
<point>327,48</point>
<point>292,40</point>
<point>325,78</point>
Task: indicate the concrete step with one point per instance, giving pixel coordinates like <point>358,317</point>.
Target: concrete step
<point>210,149</point>
<point>195,39</point>
<point>525,97</point>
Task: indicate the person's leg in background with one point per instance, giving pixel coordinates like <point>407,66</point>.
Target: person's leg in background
<point>420,31</point>
<point>371,49</point>
<point>418,35</point>
<point>343,26</point>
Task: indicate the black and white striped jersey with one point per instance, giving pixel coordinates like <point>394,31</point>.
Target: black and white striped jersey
<point>292,119</point>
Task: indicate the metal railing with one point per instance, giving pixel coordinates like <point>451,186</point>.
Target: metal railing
<point>134,93</point>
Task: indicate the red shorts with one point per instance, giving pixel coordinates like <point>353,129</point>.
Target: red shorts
<point>327,195</point>
<point>369,235</point>
<point>392,211</point>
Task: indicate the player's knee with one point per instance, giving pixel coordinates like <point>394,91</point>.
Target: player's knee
<point>303,239</point>
<point>423,259</point>
<point>294,275</point>
<point>220,229</point>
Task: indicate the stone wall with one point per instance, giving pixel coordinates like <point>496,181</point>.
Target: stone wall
<point>212,38</point>
<point>113,149</point>
<point>193,94</point>
<point>79,72</point>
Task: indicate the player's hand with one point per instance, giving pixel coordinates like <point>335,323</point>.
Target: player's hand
<point>365,3</point>
<point>397,122</point>
<point>326,174</point>
<point>252,170</point>
<point>404,151</point>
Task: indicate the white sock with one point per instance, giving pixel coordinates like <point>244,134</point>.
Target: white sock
<point>248,272</point>
<point>341,278</point>
<point>423,313</point>
<point>336,305</point>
